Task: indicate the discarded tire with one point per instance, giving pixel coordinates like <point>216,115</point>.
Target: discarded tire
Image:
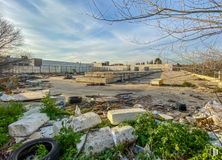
<point>182,107</point>
<point>75,99</point>
<point>28,150</point>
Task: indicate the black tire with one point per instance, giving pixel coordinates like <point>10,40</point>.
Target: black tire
<point>75,99</point>
<point>25,149</point>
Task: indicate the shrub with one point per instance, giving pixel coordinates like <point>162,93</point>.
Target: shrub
<point>170,140</point>
<point>9,113</point>
<point>68,139</point>
<point>51,110</point>
<point>41,151</point>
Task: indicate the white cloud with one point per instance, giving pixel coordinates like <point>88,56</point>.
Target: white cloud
<point>56,30</point>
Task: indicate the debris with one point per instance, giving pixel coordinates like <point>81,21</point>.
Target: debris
<point>123,135</point>
<point>156,82</point>
<point>120,115</point>
<point>27,125</point>
<point>96,141</point>
<point>85,121</point>
<point>165,116</point>
<point>74,100</point>
<point>32,110</point>
<point>138,106</point>
<point>77,111</point>
<point>181,106</point>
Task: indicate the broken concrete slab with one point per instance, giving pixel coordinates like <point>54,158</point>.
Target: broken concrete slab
<point>85,121</point>
<point>156,82</point>
<point>123,135</point>
<point>121,115</point>
<point>27,125</point>
<point>32,110</point>
<point>47,132</point>
<point>165,116</point>
<point>96,141</point>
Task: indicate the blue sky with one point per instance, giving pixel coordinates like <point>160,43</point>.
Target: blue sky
<point>64,30</point>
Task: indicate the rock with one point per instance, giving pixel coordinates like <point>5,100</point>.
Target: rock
<point>47,132</point>
<point>165,116</point>
<point>35,135</point>
<point>32,110</point>
<point>156,82</point>
<point>59,124</point>
<point>85,121</point>
<point>191,120</point>
<point>123,135</point>
<point>97,141</point>
<point>19,139</point>
<point>120,115</point>
<point>138,106</point>
<point>27,125</point>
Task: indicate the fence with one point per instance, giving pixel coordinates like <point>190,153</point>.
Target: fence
<point>49,69</point>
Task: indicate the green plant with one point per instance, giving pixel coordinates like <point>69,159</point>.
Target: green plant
<point>169,140</point>
<point>107,154</point>
<point>51,110</point>
<point>41,151</point>
<point>9,113</point>
<point>68,140</point>
<point>207,154</point>
<point>105,123</point>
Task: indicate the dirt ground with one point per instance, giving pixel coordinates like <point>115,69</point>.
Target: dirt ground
<point>155,96</point>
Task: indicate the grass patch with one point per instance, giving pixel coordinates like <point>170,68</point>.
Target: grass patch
<point>50,108</point>
<point>105,123</point>
<point>68,139</point>
<point>170,140</point>
<point>9,113</point>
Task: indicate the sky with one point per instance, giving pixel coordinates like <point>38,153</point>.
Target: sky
<point>65,30</point>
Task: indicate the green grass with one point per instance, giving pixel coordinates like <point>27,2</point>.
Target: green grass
<point>9,113</point>
<point>51,110</point>
<point>170,140</point>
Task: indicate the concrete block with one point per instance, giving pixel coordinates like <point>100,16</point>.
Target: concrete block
<point>32,110</point>
<point>121,115</point>
<point>123,135</point>
<point>156,82</point>
<point>27,125</point>
<point>85,121</point>
<point>96,141</point>
<point>47,132</point>
<point>165,116</point>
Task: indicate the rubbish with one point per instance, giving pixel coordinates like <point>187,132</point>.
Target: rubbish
<point>156,82</point>
<point>123,135</point>
<point>96,141</point>
<point>165,116</point>
<point>26,96</point>
<point>120,115</point>
<point>77,111</point>
<point>181,106</point>
<point>28,150</point>
<point>74,100</point>
<point>85,121</point>
<point>27,125</point>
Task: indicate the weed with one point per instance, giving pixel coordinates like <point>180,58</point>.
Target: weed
<point>68,140</point>
<point>41,151</point>
<point>169,140</point>
<point>207,154</point>
<point>51,110</point>
<point>105,123</point>
<point>8,114</point>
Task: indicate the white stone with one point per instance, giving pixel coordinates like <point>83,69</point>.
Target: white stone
<point>121,115</point>
<point>123,135</point>
<point>85,121</point>
<point>32,110</point>
<point>27,125</point>
<point>165,116</point>
<point>57,126</point>
<point>96,141</point>
<point>35,135</point>
<point>47,132</point>
<point>138,106</point>
<point>156,82</point>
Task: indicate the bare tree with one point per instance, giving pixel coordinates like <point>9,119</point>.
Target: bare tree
<point>10,37</point>
<point>184,20</point>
